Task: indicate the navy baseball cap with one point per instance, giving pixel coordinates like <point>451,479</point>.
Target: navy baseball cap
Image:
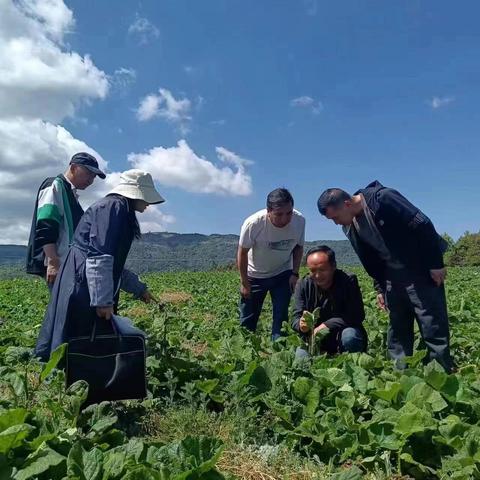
<point>88,161</point>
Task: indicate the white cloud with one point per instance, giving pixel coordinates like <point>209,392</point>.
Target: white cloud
<point>123,78</point>
<point>232,158</point>
<point>315,106</point>
<point>32,150</point>
<point>154,220</point>
<point>144,30</point>
<point>148,108</point>
<point>38,77</point>
<point>439,102</point>
<point>41,83</point>
<point>181,167</point>
<point>165,105</point>
<point>304,101</point>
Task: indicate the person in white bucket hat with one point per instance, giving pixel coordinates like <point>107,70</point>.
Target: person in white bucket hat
<point>138,185</point>
<point>87,288</point>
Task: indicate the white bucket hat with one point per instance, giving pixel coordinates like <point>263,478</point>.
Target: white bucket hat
<point>138,185</point>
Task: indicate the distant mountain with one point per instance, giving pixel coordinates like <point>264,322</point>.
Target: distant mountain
<point>167,251</point>
<point>10,254</point>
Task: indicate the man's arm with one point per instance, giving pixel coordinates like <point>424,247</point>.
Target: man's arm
<point>47,229</point>
<point>53,261</point>
<point>299,306</point>
<point>242,263</point>
<point>297,255</point>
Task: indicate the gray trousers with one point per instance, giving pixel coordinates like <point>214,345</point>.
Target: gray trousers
<point>426,303</point>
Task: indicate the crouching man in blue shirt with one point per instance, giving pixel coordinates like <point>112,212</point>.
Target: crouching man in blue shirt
<point>339,298</point>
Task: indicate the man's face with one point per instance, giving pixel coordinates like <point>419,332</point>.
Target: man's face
<point>82,177</point>
<point>341,215</point>
<point>140,205</point>
<point>321,270</point>
<point>280,216</point>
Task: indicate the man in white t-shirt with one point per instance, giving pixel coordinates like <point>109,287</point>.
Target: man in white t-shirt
<point>269,254</point>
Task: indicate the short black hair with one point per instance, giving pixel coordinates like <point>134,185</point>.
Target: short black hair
<point>279,198</point>
<point>332,197</point>
<point>326,250</point>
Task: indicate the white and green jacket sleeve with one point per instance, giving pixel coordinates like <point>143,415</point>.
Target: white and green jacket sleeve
<point>54,218</point>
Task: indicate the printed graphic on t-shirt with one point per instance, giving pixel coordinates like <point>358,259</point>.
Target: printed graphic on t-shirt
<point>282,245</point>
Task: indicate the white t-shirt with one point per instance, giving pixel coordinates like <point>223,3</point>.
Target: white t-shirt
<point>270,247</point>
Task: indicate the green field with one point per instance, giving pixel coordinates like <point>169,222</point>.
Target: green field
<point>227,404</point>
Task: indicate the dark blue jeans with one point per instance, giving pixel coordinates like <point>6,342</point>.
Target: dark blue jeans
<point>280,293</point>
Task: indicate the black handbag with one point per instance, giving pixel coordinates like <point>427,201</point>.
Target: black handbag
<point>113,365</point>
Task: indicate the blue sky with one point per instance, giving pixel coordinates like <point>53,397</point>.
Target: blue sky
<point>316,94</point>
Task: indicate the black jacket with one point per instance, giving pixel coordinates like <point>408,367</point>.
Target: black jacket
<point>341,306</point>
<point>44,232</point>
<point>409,236</point>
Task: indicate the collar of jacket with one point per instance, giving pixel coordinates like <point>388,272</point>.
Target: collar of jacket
<point>370,193</point>
<point>68,184</point>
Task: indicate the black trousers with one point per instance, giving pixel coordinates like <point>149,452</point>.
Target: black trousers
<point>426,303</point>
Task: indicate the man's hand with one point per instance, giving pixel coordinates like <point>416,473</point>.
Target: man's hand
<point>303,324</point>
<point>147,297</point>
<point>381,302</point>
<point>245,290</point>
<point>320,327</point>
<point>293,282</point>
<point>105,312</point>
<point>53,265</point>
<point>438,276</point>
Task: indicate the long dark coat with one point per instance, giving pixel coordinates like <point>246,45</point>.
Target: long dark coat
<point>107,228</point>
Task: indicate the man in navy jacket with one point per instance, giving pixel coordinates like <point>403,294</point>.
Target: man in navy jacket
<point>400,249</point>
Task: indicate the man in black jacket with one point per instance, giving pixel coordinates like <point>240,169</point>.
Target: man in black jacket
<point>339,298</point>
<point>400,249</point>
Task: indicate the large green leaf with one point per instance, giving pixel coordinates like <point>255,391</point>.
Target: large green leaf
<point>389,393</point>
<point>337,376</point>
<point>257,377</point>
<point>190,458</point>
<point>207,386</point>
<point>99,417</point>
<point>83,465</point>
<point>17,383</point>
<point>301,387</point>
<point>38,463</point>
<point>55,358</point>
<point>435,375</point>
<point>114,463</point>
<point>422,395</point>
<point>14,436</point>
<point>309,320</point>
<point>12,417</point>
<point>413,419</point>
<point>423,469</point>
<point>383,435</point>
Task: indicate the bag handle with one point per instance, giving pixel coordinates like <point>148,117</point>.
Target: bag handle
<point>94,329</point>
